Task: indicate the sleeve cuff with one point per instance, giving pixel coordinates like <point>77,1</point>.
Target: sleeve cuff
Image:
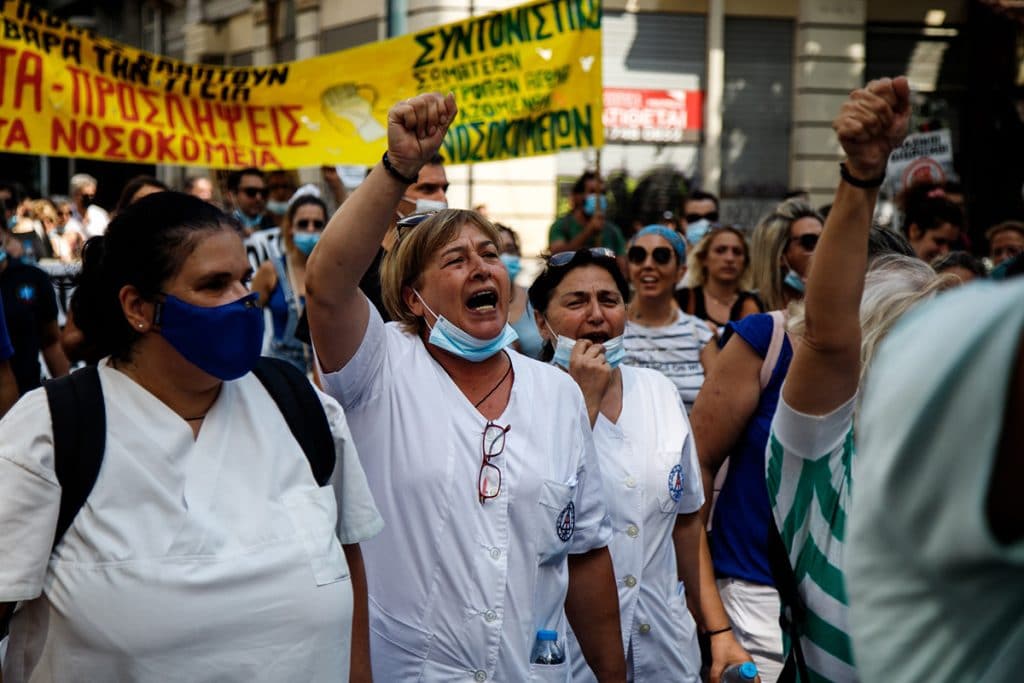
<point>812,436</point>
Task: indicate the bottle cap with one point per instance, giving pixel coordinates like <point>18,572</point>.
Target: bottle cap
<point>748,670</point>
<point>553,635</point>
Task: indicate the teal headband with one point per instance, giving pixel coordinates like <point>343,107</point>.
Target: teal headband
<point>670,235</point>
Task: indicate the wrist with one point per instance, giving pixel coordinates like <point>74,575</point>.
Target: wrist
<point>866,178</point>
<point>401,169</point>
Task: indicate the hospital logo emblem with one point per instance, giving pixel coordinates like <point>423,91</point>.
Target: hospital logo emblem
<point>566,522</point>
<point>675,482</point>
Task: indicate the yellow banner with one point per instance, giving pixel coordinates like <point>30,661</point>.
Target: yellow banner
<point>527,81</point>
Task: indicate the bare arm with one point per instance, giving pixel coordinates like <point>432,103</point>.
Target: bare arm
<point>592,606</point>
<point>709,354</point>
<point>359,669</point>
<point>723,407</point>
<point>338,311</point>
<point>8,396</point>
<point>56,362</point>
<point>693,560</point>
<point>825,369</point>
<point>264,281</point>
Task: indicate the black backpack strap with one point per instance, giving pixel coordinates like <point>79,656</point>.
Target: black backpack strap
<point>793,610</point>
<point>79,422</point>
<point>302,410</point>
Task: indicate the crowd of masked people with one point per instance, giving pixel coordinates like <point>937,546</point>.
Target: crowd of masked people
<point>683,452</point>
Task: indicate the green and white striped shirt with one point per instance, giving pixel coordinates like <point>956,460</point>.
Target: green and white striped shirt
<point>808,473</point>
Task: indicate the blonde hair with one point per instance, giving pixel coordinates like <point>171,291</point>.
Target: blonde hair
<point>698,273</point>
<point>404,264</point>
<point>894,284</point>
<point>768,243</point>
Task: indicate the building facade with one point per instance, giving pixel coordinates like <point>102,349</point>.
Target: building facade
<point>761,81</point>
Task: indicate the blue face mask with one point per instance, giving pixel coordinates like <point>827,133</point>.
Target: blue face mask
<point>222,341</point>
<point>3,254</point>
<point>276,207</point>
<point>614,351</point>
<point>512,265</point>
<point>456,341</point>
<point>592,202</point>
<point>695,231</point>
<point>247,222</point>
<point>305,241</point>
<point>795,282</point>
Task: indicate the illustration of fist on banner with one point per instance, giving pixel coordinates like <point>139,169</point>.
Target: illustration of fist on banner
<point>527,81</point>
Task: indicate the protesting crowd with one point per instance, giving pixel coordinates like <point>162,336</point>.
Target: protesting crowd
<point>685,451</point>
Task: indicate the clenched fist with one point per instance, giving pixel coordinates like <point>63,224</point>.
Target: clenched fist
<point>872,123</point>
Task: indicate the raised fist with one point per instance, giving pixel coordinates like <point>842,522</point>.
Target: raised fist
<point>416,128</point>
<point>872,123</point>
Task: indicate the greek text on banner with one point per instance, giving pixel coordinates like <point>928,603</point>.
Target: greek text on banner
<point>527,80</point>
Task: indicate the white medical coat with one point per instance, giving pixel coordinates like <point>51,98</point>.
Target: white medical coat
<point>458,589</point>
<point>209,559</point>
<point>651,475</point>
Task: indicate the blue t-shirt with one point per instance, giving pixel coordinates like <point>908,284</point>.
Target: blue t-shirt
<point>739,537</point>
<point>6,349</point>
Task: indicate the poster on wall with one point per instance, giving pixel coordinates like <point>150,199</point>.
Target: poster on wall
<point>652,116</point>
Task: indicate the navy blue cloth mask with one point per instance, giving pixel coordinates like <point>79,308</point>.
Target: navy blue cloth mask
<point>222,341</point>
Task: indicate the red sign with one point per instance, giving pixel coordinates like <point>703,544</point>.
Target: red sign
<point>658,116</point>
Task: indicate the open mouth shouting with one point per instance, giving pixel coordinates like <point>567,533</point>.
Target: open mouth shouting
<point>483,301</point>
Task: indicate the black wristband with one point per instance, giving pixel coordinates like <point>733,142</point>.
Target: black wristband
<point>868,184</point>
<point>395,173</point>
<point>715,633</point>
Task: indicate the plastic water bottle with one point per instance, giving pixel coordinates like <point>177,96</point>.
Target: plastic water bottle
<point>546,649</point>
<point>739,673</point>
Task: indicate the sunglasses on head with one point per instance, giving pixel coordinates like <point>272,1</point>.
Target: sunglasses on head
<point>711,217</point>
<point>253,192</point>
<point>808,242</point>
<point>563,258</point>
<point>637,255</point>
<point>307,223</point>
<point>406,224</point>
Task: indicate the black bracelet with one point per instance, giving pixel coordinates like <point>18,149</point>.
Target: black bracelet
<point>395,173</point>
<point>715,633</point>
<point>868,184</point>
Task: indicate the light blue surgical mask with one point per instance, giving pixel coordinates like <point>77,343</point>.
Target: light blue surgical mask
<point>247,222</point>
<point>795,282</point>
<point>426,205</point>
<point>276,207</point>
<point>512,265</point>
<point>305,241</point>
<point>592,202</point>
<point>695,231</point>
<point>614,351</point>
<point>449,337</point>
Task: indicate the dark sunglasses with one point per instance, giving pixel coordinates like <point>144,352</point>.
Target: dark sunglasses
<point>808,242</point>
<point>637,255</point>
<point>253,192</point>
<point>307,223</point>
<point>563,258</point>
<point>694,217</point>
<point>409,222</point>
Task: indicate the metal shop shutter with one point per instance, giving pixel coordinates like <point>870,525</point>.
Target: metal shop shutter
<point>658,51</point>
<point>757,106</point>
